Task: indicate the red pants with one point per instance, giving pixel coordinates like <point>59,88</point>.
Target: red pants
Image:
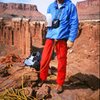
<point>61,51</point>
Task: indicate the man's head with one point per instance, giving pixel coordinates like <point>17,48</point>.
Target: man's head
<point>60,1</point>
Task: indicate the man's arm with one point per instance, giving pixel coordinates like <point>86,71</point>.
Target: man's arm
<point>73,21</point>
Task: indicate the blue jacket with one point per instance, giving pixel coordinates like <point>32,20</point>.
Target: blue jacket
<point>68,17</point>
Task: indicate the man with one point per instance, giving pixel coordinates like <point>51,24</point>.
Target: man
<point>64,32</point>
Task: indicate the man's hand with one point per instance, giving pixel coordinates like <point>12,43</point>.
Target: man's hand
<point>70,44</point>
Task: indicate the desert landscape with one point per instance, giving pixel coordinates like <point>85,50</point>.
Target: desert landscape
<point>22,32</point>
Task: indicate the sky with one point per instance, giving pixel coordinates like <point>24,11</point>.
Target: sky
<point>42,5</point>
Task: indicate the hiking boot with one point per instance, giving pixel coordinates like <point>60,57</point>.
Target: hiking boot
<point>59,89</point>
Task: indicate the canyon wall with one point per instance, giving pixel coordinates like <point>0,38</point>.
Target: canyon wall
<point>21,27</point>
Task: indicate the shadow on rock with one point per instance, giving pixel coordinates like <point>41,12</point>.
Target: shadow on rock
<point>36,49</point>
<point>52,71</point>
<point>84,81</point>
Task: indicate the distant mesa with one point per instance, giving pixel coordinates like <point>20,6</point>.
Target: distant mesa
<point>89,10</point>
<point>10,10</point>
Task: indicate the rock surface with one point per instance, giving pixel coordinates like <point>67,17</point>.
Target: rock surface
<point>43,92</point>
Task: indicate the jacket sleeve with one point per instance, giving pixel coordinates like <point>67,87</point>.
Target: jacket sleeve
<point>73,22</point>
